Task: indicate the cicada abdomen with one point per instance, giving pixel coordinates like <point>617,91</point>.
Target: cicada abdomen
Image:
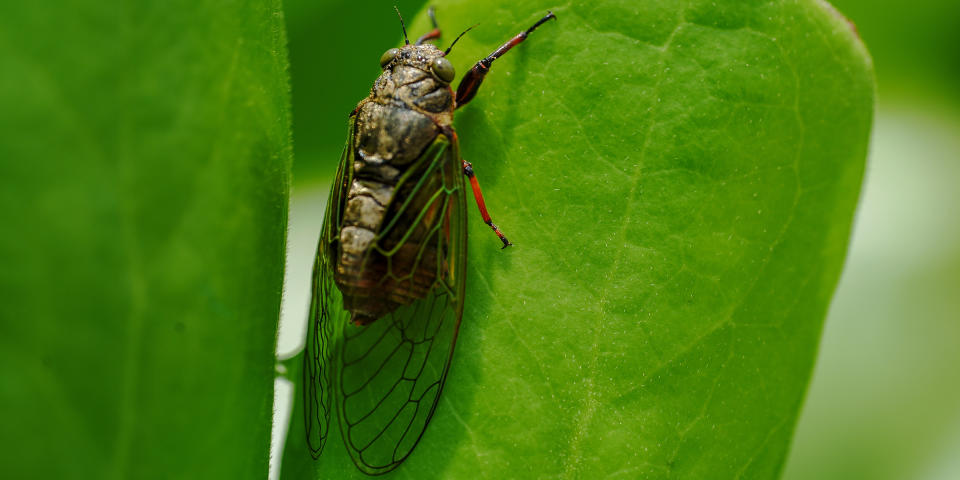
<point>394,229</point>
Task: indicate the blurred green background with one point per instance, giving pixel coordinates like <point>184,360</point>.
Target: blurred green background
<point>884,402</point>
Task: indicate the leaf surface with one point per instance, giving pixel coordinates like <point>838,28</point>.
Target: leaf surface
<point>144,162</point>
<point>679,181</point>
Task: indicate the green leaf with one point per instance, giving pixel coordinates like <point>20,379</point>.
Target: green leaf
<point>679,181</point>
<point>297,461</point>
<point>144,162</point>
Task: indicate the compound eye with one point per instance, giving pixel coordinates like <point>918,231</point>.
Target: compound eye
<point>443,69</point>
<point>388,57</point>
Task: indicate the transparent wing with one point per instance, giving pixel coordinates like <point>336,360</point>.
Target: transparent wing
<point>390,372</point>
<point>326,313</point>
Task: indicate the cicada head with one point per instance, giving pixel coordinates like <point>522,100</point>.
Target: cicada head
<point>418,76</point>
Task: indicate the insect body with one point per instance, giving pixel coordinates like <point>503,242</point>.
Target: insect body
<point>388,281</point>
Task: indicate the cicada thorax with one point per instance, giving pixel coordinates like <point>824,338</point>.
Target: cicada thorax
<point>394,215</point>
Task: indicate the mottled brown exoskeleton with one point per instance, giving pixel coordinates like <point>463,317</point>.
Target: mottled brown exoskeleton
<point>389,274</point>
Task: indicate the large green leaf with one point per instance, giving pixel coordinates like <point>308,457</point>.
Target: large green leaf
<point>679,181</point>
<point>144,163</point>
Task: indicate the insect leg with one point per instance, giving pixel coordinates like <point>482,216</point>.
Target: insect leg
<point>432,34</point>
<point>472,80</point>
<point>478,196</point>
<point>450,133</point>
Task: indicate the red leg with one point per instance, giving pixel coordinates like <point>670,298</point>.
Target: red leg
<point>450,133</point>
<point>471,81</point>
<point>432,34</point>
<point>478,196</point>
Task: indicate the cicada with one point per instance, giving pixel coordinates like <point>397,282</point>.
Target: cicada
<point>388,279</point>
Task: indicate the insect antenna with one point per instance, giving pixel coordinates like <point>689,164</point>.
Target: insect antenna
<point>445,52</point>
<point>404,27</point>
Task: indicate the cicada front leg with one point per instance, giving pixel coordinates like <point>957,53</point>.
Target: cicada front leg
<point>471,81</point>
<point>432,34</point>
